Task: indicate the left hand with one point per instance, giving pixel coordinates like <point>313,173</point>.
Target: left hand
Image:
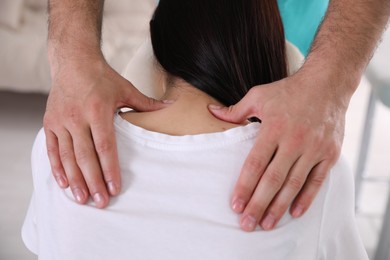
<point>299,141</point>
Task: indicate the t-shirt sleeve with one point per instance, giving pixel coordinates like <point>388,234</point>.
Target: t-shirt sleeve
<point>339,236</point>
<point>29,229</point>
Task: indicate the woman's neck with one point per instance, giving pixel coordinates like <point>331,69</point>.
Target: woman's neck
<point>187,115</point>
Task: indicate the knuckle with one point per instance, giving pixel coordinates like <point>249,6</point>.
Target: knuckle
<point>253,166</point>
<point>255,209</point>
<point>52,150</point>
<point>274,178</point>
<point>316,145</point>
<point>47,121</point>
<point>244,190</point>
<point>56,169</point>
<point>327,149</point>
<point>95,104</point>
<point>295,183</point>
<point>318,179</point>
<point>277,209</point>
<point>276,128</point>
<point>73,117</point>
<point>110,174</point>
<point>103,146</point>
<point>304,200</point>
<point>299,136</point>
<point>66,154</point>
<point>333,152</point>
<point>75,180</point>
<point>82,156</point>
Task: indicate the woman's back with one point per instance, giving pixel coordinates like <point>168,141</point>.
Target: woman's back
<point>175,205</point>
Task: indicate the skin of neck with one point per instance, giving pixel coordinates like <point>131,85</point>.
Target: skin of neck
<point>187,115</point>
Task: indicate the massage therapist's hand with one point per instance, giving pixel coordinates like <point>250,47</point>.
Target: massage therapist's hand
<point>79,127</point>
<point>299,141</point>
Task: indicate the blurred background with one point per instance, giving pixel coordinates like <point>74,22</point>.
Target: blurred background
<point>25,83</point>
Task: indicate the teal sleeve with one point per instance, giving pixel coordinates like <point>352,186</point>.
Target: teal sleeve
<point>301,19</point>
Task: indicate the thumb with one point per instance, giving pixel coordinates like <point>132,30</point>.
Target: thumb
<point>237,113</point>
<point>139,102</point>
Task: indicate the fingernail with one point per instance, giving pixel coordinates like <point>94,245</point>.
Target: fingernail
<point>248,223</point>
<point>268,222</point>
<point>112,188</point>
<point>215,107</point>
<point>297,212</point>
<point>79,195</point>
<point>61,181</point>
<point>168,101</point>
<point>98,199</point>
<point>238,205</point>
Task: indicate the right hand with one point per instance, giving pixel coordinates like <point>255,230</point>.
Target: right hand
<point>79,129</point>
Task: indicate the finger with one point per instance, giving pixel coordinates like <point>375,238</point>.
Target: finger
<point>105,144</point>
<point>252,170</point>
<point>293,184</point>
<point>310,189</point>
<point>54,158</point>
<point>74,176</point>
<point>89,165</point>
<point>139,102</point>
<point>269,185</point>
<point>237,113</point>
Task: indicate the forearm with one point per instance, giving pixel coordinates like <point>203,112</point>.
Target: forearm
<point>74,31</point>
<point>346,40</point>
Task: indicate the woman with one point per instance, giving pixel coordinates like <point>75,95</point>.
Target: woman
<point>179,164</point>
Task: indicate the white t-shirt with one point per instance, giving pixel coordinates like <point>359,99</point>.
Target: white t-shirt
<point>175,204</point>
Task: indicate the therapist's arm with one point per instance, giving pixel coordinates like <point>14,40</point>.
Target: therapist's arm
<point>303,116</point>
<point>85,94</point>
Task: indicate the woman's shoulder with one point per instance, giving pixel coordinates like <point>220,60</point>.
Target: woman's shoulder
<point>40,165</point>
<point>342,180</point>
<point>339,236</point>
<point>39,147</point>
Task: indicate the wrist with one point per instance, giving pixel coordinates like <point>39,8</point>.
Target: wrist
<point>327,84</point>
<point>64,58</point>
<point>332,77</point>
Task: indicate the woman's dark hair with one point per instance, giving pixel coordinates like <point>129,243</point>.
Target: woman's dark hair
<point>222,47</point>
